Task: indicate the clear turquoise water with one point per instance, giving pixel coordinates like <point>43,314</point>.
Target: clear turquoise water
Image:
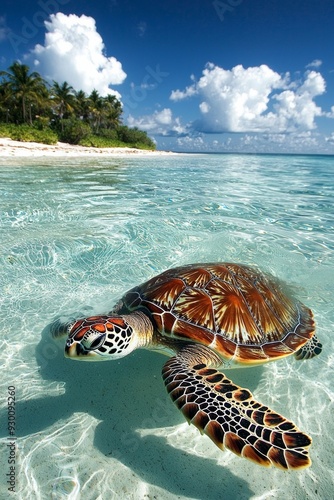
<point>74,236</point>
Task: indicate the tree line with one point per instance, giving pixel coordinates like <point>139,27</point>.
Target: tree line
<point>30,107</point>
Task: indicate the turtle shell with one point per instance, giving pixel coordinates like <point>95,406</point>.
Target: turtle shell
<point>234,309</point>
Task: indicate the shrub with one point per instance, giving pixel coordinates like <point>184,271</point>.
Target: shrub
<point>73,131</point>
<point>26,133</point>
<point>109,133</point>
<point>42,123</point>
<point>6,130</point>
<point>96,141</point>
<point>46,136</point>
<point>135,137</point>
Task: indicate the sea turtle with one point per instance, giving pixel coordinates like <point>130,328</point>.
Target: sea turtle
<point>211,317</point>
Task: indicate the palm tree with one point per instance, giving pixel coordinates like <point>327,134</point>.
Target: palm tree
<point>28,88</point>
<point>104,112</point>
<point>96,109</point>
<point>6,101</point>
<point>113,111</point>
<point>81,105</point>
<point>64,100</point>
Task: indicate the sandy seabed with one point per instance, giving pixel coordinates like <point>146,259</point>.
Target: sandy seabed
<point>76,236</point>
<point>11,148</point>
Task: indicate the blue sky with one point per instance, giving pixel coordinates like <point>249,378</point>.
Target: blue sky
<point>229,75</point>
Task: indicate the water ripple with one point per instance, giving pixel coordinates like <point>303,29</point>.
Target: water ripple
<point>75,235</point>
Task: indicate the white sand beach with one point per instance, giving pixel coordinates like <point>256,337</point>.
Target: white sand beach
<point>11,148</point>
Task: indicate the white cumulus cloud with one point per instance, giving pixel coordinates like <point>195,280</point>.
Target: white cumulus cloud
<point>160,123</point>
<point>330,139</point>
<point>255,99</point>
<point>73,51</point>
<point>330,114</point>
<point>316,63</point>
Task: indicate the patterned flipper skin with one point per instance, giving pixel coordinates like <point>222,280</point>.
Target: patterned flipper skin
<point>231,417</point>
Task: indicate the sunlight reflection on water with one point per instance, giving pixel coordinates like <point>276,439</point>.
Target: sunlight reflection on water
<point>77,235</point>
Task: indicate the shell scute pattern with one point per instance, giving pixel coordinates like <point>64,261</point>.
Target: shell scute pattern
<point>234,309</point>
<point>197,278</point>
<point>195,306</point>
<point>282,307</point>
<point>261,301</point>
<point>232,313</point>
<point>164,294</point>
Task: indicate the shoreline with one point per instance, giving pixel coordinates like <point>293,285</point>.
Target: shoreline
<point>11,148</point>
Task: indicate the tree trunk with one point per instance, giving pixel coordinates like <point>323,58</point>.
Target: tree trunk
<point>24,109</point>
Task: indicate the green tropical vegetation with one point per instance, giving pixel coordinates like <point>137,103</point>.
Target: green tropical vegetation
<point>33,110</point>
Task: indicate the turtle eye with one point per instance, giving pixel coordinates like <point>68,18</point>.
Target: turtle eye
<point>92,340</point>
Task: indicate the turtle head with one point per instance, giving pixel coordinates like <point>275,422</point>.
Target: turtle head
<point>100,338</point>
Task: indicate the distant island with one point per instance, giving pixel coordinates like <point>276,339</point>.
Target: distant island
<point>31,110</point>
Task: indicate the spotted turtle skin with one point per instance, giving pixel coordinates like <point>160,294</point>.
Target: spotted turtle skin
<point>236,310</point>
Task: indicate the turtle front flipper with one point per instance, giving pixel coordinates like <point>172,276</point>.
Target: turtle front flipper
<point>60,327</point>
<point>229,415</point>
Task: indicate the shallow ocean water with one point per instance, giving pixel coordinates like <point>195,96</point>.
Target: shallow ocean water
<point>74,236</point>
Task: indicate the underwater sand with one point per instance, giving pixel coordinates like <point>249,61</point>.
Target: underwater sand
<point>75,234</point>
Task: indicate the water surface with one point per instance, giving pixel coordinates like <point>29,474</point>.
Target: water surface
<point>74,236</point>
